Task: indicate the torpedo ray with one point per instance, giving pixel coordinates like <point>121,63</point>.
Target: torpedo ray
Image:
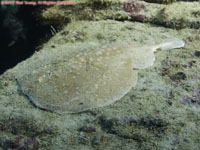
<point>89,79</point>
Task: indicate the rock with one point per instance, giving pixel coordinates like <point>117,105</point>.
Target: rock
<point>142,119</point>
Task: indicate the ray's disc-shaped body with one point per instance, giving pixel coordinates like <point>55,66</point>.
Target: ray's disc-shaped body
<point>88,80</point>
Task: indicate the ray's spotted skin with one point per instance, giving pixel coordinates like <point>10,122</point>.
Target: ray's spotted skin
<point>89,79</point>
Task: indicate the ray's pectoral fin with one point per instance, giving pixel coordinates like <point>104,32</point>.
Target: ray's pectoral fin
<point>143,58</point>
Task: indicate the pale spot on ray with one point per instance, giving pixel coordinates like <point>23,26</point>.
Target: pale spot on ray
<point>90,79</point>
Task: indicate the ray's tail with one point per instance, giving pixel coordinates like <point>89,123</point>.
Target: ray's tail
<point>170,44</point>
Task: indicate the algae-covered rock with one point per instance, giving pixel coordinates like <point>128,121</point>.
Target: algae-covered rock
<point>161,1</point>
<point>177,15</point>
<point>167,1</point>
<point>162,112</point>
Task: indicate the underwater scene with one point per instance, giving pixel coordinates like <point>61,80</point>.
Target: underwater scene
<point>100,75</point>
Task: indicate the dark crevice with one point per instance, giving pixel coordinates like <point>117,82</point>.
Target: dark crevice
<point>21,32</point>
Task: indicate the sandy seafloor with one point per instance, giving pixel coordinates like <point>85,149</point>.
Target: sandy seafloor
<point>161,112</point>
